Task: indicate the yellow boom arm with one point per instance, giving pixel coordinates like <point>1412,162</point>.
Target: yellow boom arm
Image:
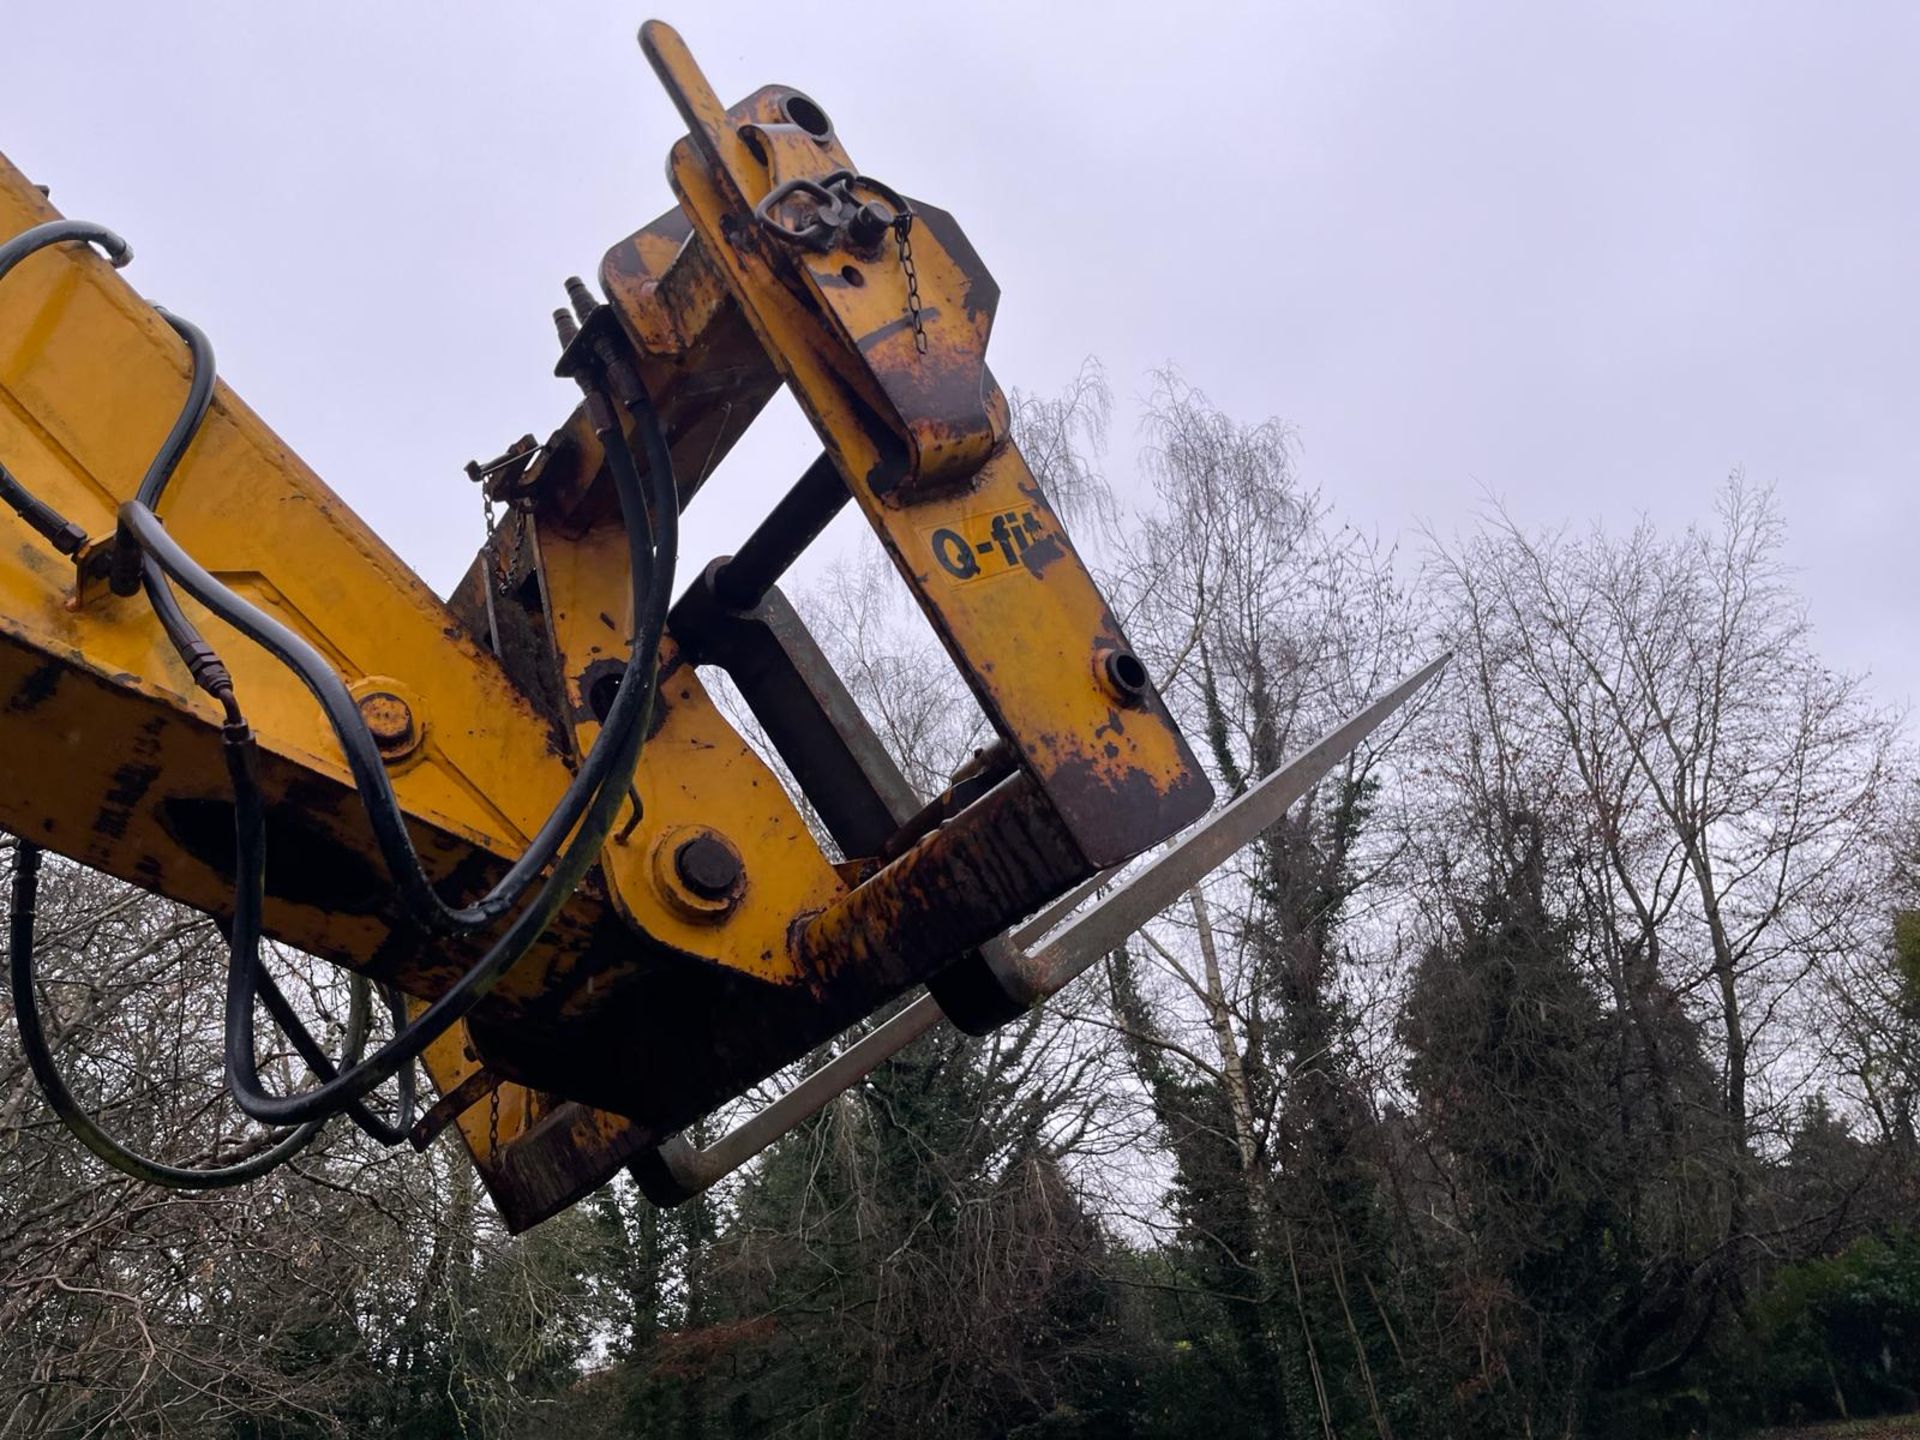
<point>718,938</point>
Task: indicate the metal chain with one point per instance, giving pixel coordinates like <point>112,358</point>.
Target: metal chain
<point>902,228</point>
<point>493,1123</point>
<point>502,566</point>
<point>493,559</point>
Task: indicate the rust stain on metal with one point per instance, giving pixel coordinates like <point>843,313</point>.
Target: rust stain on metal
<point>37,689</point>
<point>605,1036</point>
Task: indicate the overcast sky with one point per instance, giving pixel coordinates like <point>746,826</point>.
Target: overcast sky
<point>1585,259</point>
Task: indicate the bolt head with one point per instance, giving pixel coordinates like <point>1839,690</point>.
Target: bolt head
<point>388,719</point>
<point>707,866</point>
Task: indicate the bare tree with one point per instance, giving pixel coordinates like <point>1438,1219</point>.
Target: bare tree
<point>352,1290</point>
<point>1713,795</point>
<point>1266,621</point>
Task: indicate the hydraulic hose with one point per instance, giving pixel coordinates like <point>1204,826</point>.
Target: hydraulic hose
<point>205,665</point>
<point>58,531</point>
<point>421,900</point>
<point>33,1041</point>
<point>362,754</point>
<point>53,232</point>
<point>364,762</point>
<point>201,375</point>
<point>149,558</point>
<point>212,675</point>
<point>625,727</point>
<point>288,1021</point>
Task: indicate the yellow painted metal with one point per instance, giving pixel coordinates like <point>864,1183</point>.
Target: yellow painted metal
<point>697,772</point>
<point>123,750</point>
<point>100,710</point>
<point>90,380</point>
<point>1030,642</point>
<point>106,747</point>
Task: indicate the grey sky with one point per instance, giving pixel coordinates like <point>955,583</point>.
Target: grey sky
<point>1587,259</point>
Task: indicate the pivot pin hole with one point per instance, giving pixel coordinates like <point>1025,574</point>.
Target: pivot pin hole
<point>808,116</point>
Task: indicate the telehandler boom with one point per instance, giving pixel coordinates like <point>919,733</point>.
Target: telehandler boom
<point>596,913</point>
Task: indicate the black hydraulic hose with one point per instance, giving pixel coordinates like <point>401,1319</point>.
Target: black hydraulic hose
<point>201,369</point>
<point>364,761</point>
<point>362,753</point>
<point>400,1128</point>
<point>53,232</point>
<point>287,1019</point>
<point>591,800</point>
<point>33,1041</point>
<point>663,515</point>
<point>212,675</point>
<point>187,640</point>
<point>52,526</point>
<point>421,900</point>
<point>201,374</point>
<point>61,533</point>
<point>208,672</point>
<point>363,757</point>
<point>625,726</point>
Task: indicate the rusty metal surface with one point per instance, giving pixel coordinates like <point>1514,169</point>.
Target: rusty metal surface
<point>112,757</point>
<point>960,514</point>
<point>678,1170</point>
<point>669,984</point>
<point>1001,858</point>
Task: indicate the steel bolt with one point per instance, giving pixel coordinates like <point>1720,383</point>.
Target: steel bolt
<point>564,322</point>
<point>708,867</point>
<point>389,720</point>
<point>583,302</point>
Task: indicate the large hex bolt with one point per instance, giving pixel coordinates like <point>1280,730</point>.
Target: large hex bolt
<point>699,872</point>
<point>390,721</point>
<point>707,866</point>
